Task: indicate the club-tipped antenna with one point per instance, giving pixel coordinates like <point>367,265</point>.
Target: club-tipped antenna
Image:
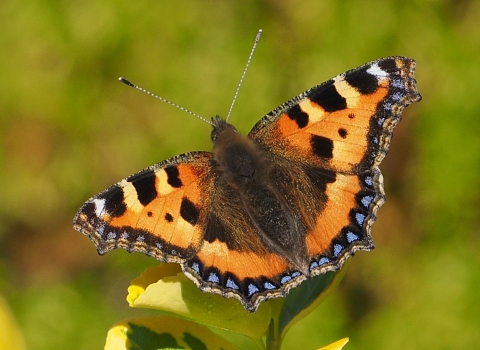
<point>129,83</point>
<point>257,39</point>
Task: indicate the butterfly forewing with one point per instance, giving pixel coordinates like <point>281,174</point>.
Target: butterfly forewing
<point>160,211</point>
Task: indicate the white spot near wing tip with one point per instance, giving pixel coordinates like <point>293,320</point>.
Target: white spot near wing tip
<point>377,71</point>
<point>99,206</point>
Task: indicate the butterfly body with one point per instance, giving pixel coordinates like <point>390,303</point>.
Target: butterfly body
<point>263,212</point>
<point>246,169</point>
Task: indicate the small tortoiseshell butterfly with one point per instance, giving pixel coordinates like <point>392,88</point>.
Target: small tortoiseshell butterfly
<point>261,213</point>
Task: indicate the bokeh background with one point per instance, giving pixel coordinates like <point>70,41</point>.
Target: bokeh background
<point>69,129</point>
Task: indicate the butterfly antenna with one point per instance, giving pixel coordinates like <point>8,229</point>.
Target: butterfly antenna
<point>129,83</point>
<point>257,39</point>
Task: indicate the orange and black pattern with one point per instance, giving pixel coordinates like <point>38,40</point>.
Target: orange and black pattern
<point>261,213</point>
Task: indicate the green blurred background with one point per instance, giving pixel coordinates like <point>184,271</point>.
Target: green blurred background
<point>69,129</point>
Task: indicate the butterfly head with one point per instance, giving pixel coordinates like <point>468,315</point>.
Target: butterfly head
<point>221,129</point>
<point>236,155</point>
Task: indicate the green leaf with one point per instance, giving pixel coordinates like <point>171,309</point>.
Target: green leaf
<point>306,297</point>
<point>166,288</point>
<point>162,332</point>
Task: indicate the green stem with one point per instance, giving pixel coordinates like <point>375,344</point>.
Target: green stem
<point>259,343</point>
<point>273,337</point>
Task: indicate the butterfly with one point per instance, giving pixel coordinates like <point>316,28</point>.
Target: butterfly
<point>263,212</point>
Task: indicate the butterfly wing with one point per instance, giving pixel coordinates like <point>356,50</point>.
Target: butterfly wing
<point>328,143</point>
<point>160,211</point>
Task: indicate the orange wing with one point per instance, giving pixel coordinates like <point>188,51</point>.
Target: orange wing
<point>160,211</point>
